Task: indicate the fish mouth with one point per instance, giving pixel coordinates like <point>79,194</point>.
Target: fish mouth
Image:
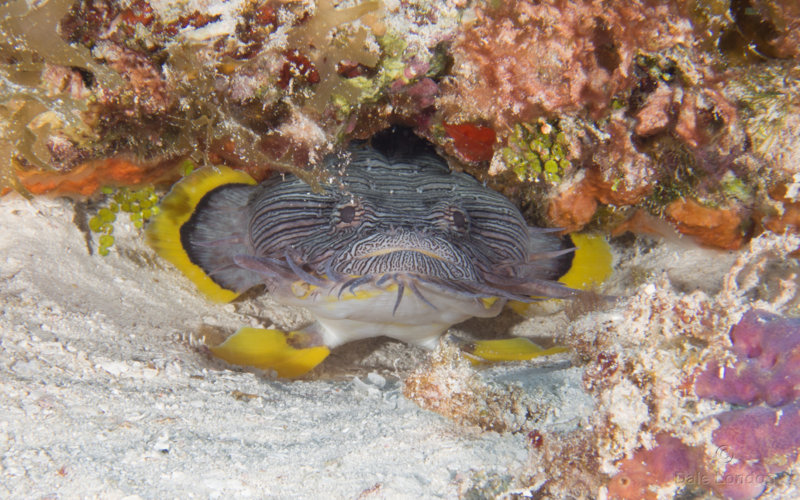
<point>386,251</point>
<point>405,252</point>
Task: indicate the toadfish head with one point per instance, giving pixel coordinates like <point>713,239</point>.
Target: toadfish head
<point>394,243</point>
<point>394,214</point>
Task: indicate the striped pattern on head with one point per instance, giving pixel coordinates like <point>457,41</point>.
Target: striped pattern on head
<point>398,215</point>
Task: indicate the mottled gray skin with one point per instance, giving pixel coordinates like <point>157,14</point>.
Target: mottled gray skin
<point>392,217</point>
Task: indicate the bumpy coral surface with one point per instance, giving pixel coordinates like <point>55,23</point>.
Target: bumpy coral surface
<point>750,445</point>
<point>663,101</point>
<point>669,420</point>
<point>768,363</point>
<point>258,85</point>
<point>523,59</point>
<point>686,110</point>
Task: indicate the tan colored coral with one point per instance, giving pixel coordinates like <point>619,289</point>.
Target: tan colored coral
<point>783,17</point>
<point>449,385</point>
<point>625,174</point>
<point>573,206</point>
<point>788,220</point>
<point>655,116</point>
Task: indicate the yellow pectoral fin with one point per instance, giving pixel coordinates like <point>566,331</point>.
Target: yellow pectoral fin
<point>591,266</point>
<point>163,233</point>
<point>592,263</point>
<point>269,350</point>
<point>515,349</point>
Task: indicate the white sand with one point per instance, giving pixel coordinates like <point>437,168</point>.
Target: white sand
<point>107,391</point>
<point>104,395</point>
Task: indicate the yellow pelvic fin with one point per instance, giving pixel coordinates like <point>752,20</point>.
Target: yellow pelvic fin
<point>591,263</point>
<point>269,350</point>
<point>164,230</point>
<point>514,349</point>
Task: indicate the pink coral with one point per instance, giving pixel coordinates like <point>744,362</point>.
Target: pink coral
<point>669,460</point>
<point>524,59</point>
<point>749,445</point>
<point>753,443</point>
<point>760,441</point>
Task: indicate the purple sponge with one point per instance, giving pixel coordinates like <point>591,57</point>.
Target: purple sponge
<point>761,441</point>
<point>768,369</point>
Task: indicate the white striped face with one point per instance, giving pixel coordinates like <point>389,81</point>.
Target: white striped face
<point>405,215</point>
<point>399,225</point>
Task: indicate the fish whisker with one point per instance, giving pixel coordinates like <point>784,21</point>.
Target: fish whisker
<point>401,288</point>
<point>419,295</point>
<point>302,273</point>
<point>352,284</point>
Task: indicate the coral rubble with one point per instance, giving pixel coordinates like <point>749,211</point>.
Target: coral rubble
<point>696,392</point>
<point>449,386</point>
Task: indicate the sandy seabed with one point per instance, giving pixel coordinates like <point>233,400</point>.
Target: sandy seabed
<point>105,393</point>
<point>107,390</point>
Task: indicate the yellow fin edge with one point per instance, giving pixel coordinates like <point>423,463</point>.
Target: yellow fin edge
<point>163,233</point>
<point>592,264</point>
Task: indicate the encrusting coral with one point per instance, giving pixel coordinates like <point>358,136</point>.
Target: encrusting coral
<point>767,347</point>
<point>258,85</point>
<point>514,62</point>
<point>652,91</point>
<point>696,95</point>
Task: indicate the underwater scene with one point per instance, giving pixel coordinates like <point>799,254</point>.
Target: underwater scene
<point>400,249</point>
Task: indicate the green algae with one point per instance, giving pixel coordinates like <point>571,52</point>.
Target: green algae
<point>537,152</point>
<point>139,204</point>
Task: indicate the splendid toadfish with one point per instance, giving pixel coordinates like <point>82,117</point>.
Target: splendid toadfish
<point>393,244</point>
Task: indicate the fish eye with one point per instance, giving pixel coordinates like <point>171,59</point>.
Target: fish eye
<point>347,214</point>
<point>459,219</point>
